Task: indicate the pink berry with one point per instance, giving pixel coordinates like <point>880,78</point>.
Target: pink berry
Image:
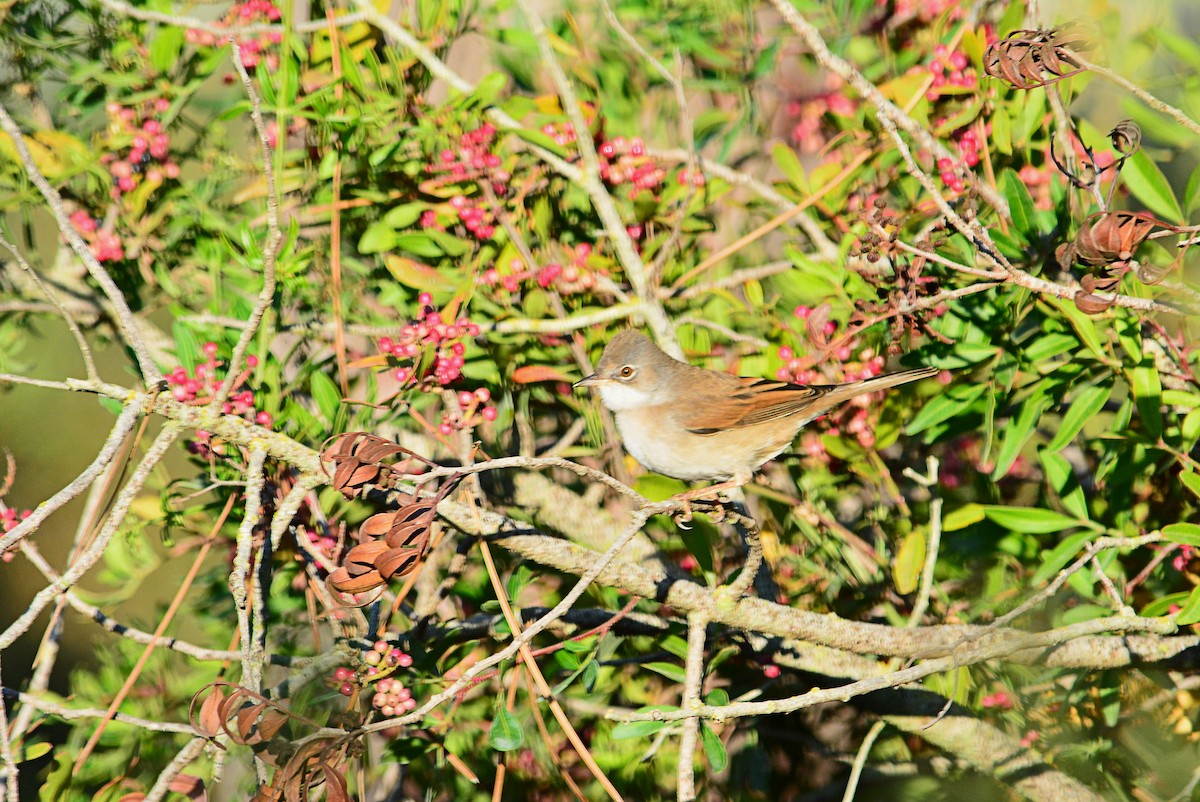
<point>347,689</point>
<point>488,413</point>
<point>342,674</point>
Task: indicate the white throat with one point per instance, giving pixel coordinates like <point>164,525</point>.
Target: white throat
<point>618,396</point>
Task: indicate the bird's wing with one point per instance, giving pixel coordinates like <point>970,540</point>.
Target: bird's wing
<point>751,401</point>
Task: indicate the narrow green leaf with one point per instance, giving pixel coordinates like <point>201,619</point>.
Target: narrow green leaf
<point>669,670</point>
<point>714,750</point>
<point>1018,432</point>
<point>1084,326</point>
<point>1061,476</point>
<point>1147,394</point>
<point>1059,556</point>
<point>640,729</point>
<point>962,517</point>
<point>1183,533</point>
<point>1020,205</point>
<point>953,402</point>
<point>326,395</point>
<point>187,346</point>
<point>1148,184</point>
<point>789,164</point>
<point>1030,520</point>
<point>505,734</point>
<point>1083,409</point>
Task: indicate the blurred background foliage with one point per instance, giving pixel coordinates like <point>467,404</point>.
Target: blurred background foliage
<point>433,262</point>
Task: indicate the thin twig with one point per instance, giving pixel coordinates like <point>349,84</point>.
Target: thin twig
<point>266,294</point>
<point>685,777</point>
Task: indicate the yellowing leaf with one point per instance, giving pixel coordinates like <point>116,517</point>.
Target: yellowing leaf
<point>528,374</point>
<point>412,273</point>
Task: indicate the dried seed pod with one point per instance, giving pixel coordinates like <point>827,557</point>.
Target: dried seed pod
<point>1126,137</point>
<point>1109,237</point>
<point>1090,304</point>
<point>1028,59</point>
<point>358,457</point>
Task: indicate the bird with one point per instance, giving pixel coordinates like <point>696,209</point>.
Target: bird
<point>702,425</point>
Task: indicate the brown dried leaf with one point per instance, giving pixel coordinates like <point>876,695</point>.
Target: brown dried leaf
<point>190,786</point>
<point>208,722</point>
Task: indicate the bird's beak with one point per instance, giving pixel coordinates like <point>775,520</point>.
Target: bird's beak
<point>588,381</point>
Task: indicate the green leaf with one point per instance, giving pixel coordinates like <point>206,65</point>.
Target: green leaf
<point>1084,325</point>
<point>671,671</point>
<point>326,395</point>
<point>187,346</point>
<point>1018,432</point>
<point>1030,520</point>
<point>419,244</point>
<point>910,558</point>
<point>1148,184</point>
<point>962,517</point>
<point>405,215</point>
<point>378,237</point>
<point>1062,478</point>
<point>789,164</point>
<point>1186,534</point>
<point>506,733</point>
<point>1020,205</point>
<point>640,729</point>
<point>1163,604</point>
<point>1191,480</point>
<point>1083,409</point>
<point>1059,556</point>
<point>1147,393</point>
<point>1190,614</point>
<point>714,750</point>
<point>949,404</point>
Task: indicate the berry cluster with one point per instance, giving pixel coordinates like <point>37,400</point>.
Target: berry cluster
<point>809,132</point>
<point>479,221</point>
<point>431,331</point>
<point>104,243</point>
<point>1038,182</point>
<point>950,70</point>
<point>470,413</point>
<point>1001,700</point>
<point>149,156</point>
<point>625,161</point>
<point>254,51</point>
<point>472,160</point>
<point>198,388</point>
<point>574,277</point>
<point>391,698</point>
<point>563,134</point>
<point>968,148</point>
<point>9,518</point>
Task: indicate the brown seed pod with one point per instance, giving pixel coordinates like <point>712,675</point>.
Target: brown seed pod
<point>1028,59</point>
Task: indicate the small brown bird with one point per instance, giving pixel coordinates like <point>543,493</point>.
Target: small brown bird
<point>701,425</point>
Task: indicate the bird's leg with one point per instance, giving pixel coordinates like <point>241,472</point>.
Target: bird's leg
<point>712,491</point>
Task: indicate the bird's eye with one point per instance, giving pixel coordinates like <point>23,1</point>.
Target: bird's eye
<point>626,372</point>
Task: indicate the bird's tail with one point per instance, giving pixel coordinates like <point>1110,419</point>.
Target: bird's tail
<point>844,392</point>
